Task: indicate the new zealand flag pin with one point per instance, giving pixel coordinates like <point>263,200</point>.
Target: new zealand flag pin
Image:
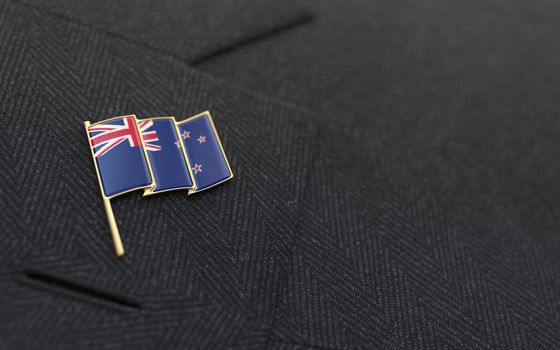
<point>157,155</point>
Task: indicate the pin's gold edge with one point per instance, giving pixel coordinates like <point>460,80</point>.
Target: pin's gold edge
<point>199,115</point>
<point>150,191</point>
<point>209,187</point>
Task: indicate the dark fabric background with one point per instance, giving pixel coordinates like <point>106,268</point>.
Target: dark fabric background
<point>395,175</point>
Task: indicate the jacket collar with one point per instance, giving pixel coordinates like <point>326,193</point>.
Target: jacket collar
<point>191,30</point>
<point>228,247</point>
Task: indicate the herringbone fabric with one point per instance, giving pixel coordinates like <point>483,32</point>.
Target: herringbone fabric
<point>190,30</point>
<point>205,271</point>
<point>409,201</point>
<point>439,210</point>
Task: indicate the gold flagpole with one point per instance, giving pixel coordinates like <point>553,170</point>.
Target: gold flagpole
<point>119,249</point>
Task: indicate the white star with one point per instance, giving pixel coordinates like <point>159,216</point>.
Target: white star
<point>201,139</point>
<point>178,143</point>
<point>186,134</point>
<point>197,168</point>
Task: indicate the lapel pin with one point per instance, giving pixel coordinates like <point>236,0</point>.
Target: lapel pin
<point>155,154</point>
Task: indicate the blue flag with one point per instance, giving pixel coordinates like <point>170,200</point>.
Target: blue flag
<point>166,155</point>
<point>119,155</point>
<point>208,161</point>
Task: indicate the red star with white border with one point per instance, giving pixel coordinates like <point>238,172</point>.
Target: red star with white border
<point>197,168</point>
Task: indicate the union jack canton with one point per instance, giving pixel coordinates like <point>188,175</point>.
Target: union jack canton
<point>119,154</point>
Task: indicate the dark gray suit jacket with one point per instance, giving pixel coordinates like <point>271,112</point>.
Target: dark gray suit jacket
<point>396,175</point>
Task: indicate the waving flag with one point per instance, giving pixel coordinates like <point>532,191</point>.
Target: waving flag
<point>166,155</point>
<point>119,155</point>
<point>208,161</point>
<point>156,154</point>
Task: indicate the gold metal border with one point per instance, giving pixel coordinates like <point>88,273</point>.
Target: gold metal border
<point>219,144</point>
<point>150,191</point>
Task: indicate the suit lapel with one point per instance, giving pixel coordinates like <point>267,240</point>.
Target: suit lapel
<point>218,256</point>
<point>191,30</point>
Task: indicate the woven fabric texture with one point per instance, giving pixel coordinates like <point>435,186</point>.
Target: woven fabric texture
<point>396,176</point>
